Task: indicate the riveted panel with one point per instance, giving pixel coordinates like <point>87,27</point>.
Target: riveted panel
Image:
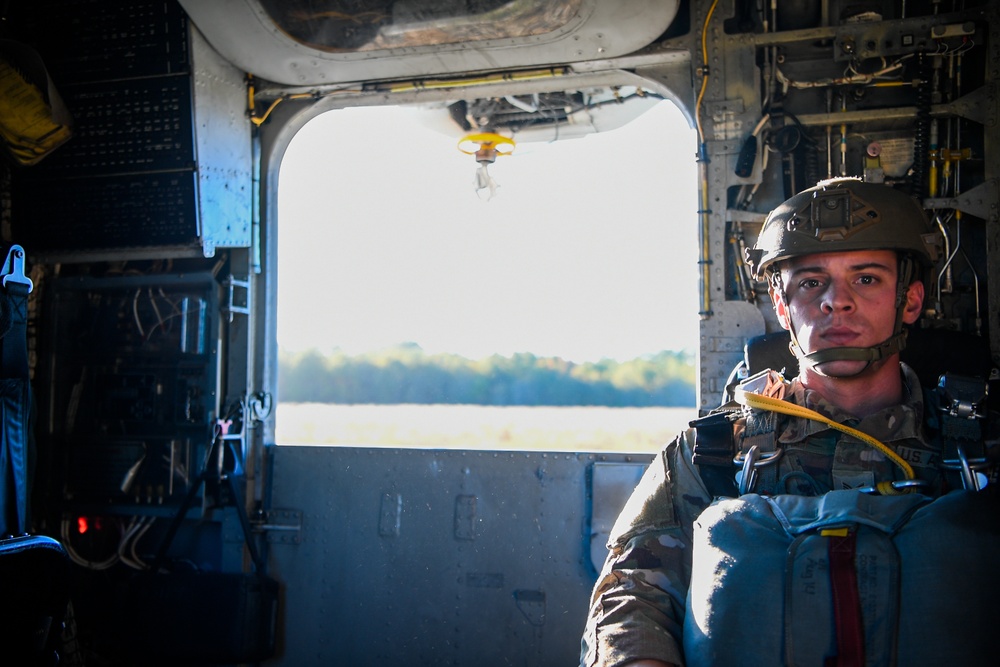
<point>460,557</point>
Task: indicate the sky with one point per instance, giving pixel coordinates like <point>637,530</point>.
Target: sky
<point>588,249</point>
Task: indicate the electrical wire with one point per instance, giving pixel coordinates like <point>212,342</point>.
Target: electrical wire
<point>260,120</point>
<point>432,84</point>
<point>80,560</point>
<point>705,259</point>
<point>127,548</point>
<point>704,72</point>
<point>135,313</point>
<point>851,77</point>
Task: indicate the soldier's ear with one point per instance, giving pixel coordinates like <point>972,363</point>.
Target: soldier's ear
<point>780,307</point>
<point>914,302</point>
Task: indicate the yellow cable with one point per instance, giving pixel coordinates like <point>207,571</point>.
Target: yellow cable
<point>704,78</point>
<point>251,94</point>
<point>297,96</point>
<point>703,212</point>
<point>777,405</point>
<point>530,75</point>
<point>260,121</point>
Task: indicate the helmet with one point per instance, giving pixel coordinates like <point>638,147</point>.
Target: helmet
<point>839,215</point>
<point>843,214</point>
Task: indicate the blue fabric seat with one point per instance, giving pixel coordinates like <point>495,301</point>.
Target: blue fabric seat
<point>35,589</point>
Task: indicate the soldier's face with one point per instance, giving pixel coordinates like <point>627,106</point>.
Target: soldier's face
<point>843,299</point>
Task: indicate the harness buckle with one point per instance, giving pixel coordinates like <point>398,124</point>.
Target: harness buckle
<point>765,383</point>
<point>963,397</point>
<point>962,404</point>
<point>972,478</point>
<point>899,485</point>
<point>746,478</point>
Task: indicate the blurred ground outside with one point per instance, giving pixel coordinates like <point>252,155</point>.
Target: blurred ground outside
<point>564,429</point>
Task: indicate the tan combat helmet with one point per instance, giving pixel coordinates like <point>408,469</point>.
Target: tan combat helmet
<point>841,215</point>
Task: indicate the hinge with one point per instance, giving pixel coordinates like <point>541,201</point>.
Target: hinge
<point>282,526</point>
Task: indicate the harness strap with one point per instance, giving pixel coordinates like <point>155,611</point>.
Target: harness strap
<point>712,452</point>
<point>761,432</point>
<point>846,600</point>
<point>16,446</point>
<point>14,357</point>
<point>959,402</point>
<point>759,402</point>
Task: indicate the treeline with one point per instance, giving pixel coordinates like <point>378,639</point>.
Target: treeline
<point>405,374</point>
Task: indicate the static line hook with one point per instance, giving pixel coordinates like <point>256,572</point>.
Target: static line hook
<point>486,146</point>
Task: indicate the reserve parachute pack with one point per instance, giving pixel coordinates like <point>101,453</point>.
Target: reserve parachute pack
<point>846,578</point>
<point>874,576</point>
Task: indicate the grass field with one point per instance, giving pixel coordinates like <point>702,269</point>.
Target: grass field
<point>481,427</point>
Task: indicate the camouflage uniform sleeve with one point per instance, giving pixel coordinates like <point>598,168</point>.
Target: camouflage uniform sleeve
<point>637,607</point>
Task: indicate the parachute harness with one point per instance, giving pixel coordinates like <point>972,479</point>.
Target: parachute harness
<point>746,396</point>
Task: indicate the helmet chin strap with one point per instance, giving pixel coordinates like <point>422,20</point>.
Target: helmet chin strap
<point>892,345</point>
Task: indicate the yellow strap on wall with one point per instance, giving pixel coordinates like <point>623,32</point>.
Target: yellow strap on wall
<point>26,124</point>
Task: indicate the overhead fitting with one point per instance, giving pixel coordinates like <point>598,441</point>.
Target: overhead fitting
<point>486,146</point>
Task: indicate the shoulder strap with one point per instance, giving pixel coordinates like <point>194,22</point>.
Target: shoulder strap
<point>16,447</point>
<point>957,409</point>
<point>16,286</point>
<point>713,451</point>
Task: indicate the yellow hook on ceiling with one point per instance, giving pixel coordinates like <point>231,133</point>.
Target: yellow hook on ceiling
<point>486,146</point>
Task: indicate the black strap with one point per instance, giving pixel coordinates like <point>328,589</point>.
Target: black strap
<point>713,452</point>
<point>14,318</point>
<point>241,512</point>
<point>16,452</point>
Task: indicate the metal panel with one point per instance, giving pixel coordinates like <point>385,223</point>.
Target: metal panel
<point>431,557</point>
<point>161,154</point>
<point>222,133</point>
<point>723,337</point>
<point>243,33</point>
<point>132,393</point>
<point>611,485</point>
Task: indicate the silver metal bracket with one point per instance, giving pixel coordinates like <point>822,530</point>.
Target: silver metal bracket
<point>282,526</point>
<point>259,405</point>
<point>973,479</point>
<point>982,201</point>
<point>234,306</point>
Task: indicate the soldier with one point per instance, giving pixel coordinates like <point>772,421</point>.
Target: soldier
<point>832,538</point>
